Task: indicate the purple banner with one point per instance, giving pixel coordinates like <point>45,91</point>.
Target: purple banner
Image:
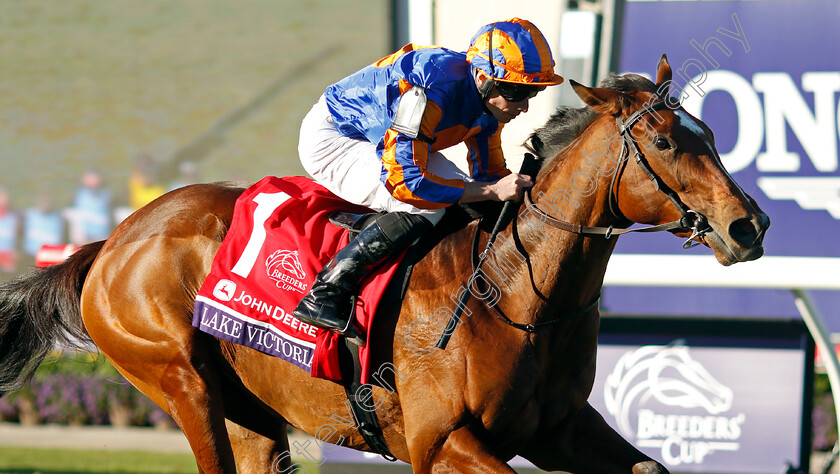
<point>701,403</point>
<point>229,325</point>
<point>768,85</point>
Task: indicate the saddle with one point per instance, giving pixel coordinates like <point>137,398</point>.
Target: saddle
<point>455,218</point>
<point>279,238</point>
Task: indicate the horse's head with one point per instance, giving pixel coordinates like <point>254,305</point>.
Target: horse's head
<point>665,144</point>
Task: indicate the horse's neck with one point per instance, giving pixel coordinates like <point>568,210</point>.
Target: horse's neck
<point>568,268</point>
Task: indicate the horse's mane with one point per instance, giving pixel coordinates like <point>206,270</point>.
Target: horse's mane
<point>569,122</point>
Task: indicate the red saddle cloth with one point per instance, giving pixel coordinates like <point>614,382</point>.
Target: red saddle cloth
<point>280,238</point>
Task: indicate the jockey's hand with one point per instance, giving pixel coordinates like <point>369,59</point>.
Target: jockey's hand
<point>509,188</point>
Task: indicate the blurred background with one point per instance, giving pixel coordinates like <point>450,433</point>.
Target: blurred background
<point>105,105</point>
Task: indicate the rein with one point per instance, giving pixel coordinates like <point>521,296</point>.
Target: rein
<point>689,220</point>
<point>500,315</point>
<point>607,232</point>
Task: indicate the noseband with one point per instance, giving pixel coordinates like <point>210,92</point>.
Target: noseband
<point>689,220</point>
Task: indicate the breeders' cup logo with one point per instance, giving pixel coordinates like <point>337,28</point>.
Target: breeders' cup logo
<point>663,377</point>
<point>283,266</point>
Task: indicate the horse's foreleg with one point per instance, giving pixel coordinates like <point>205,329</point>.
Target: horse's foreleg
<point>587,444</point>
<point>461,452</point>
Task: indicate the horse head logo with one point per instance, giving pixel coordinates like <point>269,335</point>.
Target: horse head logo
<point>669,375</point>
<point>285,261</point>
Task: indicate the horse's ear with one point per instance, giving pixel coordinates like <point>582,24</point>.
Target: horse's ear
<point>602,100</point>
<point>663,71</point>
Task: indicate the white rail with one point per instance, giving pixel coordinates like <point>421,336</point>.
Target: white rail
<point>781,273</point>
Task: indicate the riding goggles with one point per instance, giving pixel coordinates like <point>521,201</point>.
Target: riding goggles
<point>514,92</point>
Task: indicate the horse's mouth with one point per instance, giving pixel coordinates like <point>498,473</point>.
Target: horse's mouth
<point>728,254</point>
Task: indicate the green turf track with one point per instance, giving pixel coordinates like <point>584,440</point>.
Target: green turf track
<point>14,460</point>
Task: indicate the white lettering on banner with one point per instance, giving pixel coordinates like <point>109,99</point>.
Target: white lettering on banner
<point>774,100</point>
<point>750,118</point>
<point>652,425</point>
<point>669,376</point>
<point>220,322</point>
<point>277,344</point>
<point>676,450</point>
<point>255,332</point>
<point>783,104</point>
<point>816,131</point>
<point>286,282</point>
<point>275,312</point>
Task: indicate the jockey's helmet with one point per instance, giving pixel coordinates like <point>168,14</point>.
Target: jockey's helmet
<point>512,53</point>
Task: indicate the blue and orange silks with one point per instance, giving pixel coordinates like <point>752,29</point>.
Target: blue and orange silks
<point>520,53</point>
<point>364,104</point>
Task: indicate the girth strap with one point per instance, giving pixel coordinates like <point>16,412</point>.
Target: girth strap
<point>368,424</point>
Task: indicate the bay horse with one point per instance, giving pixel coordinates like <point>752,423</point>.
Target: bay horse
<point>500,388</point>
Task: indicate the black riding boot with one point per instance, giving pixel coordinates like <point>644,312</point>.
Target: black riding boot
<point>328,303</point>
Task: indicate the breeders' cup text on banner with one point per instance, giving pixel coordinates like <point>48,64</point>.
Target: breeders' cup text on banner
<point>686,403</point>
<point>669,376</point>
<point>765,77</point>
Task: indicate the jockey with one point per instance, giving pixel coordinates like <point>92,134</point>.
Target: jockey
<point>374,139</point>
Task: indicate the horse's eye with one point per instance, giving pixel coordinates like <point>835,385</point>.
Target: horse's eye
<point>662,144</point>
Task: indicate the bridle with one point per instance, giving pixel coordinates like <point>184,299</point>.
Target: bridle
<point>689,220</point>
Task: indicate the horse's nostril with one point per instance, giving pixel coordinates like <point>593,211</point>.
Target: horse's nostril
<point>744,231</point>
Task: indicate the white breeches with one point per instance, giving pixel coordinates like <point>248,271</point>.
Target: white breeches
<point>350,168</point>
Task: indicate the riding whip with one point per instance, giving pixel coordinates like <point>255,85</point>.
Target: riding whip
<point>530,166</point>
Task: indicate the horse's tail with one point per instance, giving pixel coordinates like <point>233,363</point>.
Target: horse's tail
<point>39,310</point>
